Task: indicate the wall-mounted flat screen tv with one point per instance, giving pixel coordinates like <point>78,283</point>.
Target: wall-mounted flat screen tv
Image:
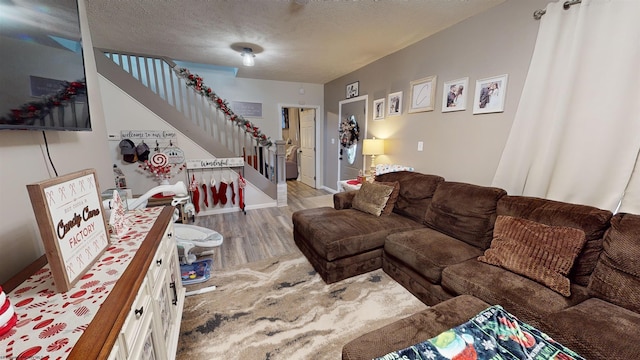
<point>42,75</point>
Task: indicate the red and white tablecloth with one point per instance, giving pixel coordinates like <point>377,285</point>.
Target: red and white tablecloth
<point>50,323</point>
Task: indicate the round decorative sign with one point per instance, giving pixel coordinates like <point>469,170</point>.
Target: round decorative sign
<point>159,159</point>
<point>175,155</point>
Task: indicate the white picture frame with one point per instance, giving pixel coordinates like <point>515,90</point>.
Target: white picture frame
<point>352,90</point>
<point>423,93</point>
<point>394,107</point>
<point>379,109</point>
<point>454,95</point>
<point>490,94</point>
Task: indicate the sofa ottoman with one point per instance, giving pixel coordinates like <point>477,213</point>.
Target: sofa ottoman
<point>343,243</point>
<point>413,329</point>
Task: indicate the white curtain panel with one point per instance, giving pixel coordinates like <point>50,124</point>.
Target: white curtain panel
<point>576,133</point>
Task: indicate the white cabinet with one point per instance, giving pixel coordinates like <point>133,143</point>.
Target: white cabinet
<point>127,306</point>
<point>144,310</point>
<point>152,327</point>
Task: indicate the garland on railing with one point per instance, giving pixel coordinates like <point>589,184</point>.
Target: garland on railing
<point>196,83</point>
<point>34,110</point>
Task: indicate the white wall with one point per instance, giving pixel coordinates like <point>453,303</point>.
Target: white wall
<point>23,160</point>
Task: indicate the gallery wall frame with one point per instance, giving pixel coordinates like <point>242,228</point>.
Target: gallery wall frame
<point>352,89</point>
<point>395,104</point>
<point>72,224</point>
<point>454,95</point>
<point>490,94</point>
<point>379,109</point>
<point>423,93</point>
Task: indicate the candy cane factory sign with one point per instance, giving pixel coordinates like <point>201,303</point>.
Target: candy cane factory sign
<point>72,225</point>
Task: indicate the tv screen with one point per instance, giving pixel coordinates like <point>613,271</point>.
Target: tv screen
<point>42,77</point>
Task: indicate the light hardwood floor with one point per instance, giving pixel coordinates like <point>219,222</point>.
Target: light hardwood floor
<point>261,233</point>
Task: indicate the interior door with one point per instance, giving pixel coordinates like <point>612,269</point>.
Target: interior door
<point>353,112</point>
<point>308,147</point>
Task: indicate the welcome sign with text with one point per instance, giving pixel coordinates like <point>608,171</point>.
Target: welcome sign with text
<point>70,216</point>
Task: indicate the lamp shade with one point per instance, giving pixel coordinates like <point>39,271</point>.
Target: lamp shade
<point>373,147</point>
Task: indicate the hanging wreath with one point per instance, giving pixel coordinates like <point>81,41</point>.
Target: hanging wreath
<point>349,132</point>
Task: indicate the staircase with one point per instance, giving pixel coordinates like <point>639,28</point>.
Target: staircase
<point>156,84</point>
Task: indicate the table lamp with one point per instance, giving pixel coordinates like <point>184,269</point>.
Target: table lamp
<point>373,147</point>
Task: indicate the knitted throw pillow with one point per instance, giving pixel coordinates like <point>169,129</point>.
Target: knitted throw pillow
<point>388,208</point>
<point>371,198</point>
<point>540,252</point>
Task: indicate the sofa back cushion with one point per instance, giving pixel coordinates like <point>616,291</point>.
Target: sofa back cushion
<point>593,221</point>
<point>466,212</point>
<point>616,277</point>
<point>416,192</point>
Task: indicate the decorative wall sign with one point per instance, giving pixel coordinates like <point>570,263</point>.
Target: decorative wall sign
<point>423,93</point>
<point>215,163</point>
<point>72,225</point>
<point>249,109</point>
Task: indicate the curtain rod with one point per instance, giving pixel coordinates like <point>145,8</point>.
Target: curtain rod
<point>567,4</point>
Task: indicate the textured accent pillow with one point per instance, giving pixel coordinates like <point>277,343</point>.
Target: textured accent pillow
<point>388,208</point>
<point>540,252</point>
<point>372,198</point>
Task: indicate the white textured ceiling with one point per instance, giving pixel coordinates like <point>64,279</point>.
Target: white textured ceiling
<point>315,43</point>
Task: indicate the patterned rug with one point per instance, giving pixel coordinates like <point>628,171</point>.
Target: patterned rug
<point>281,309</point>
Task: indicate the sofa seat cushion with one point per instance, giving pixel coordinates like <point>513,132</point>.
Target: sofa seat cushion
<point>428,252</point>
<point>596,330</point>
<point>593,221</point>
<point>334,234</point>
<point>413,329</point>
<point>523,297</point>
<point>617,275</point>
<point>465,211</point>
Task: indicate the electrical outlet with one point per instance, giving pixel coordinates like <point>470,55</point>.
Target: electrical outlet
<point>333,141</point>
<point>420,145</point>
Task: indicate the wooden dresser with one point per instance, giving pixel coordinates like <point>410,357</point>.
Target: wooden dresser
<point>127,306</point>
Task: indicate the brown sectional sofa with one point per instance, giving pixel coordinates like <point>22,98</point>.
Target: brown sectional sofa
<point>431,243</point>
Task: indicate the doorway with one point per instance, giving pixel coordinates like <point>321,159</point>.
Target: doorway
<point>299,131</point>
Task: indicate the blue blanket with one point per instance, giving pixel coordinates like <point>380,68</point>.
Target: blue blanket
<point>493,334</point>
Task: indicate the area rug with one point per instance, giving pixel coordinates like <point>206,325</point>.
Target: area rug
<point>281,309</point>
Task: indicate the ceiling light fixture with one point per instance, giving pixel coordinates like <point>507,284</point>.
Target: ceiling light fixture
<point>247,57</point>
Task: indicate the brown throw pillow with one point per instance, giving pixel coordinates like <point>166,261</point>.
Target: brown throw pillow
<point>371,198</point>
<point>388,208</point>
<point>540,252</point>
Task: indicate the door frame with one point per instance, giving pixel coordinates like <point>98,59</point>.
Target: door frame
<point>319,156</point>
<point>366,122</point>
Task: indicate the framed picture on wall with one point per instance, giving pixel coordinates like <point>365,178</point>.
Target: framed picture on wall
<point>423,92</point>
<point>490,94</point>
<point>395,104</point>
<point>352,90</point>
<point>454,95</point>
<point>378,109</point>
